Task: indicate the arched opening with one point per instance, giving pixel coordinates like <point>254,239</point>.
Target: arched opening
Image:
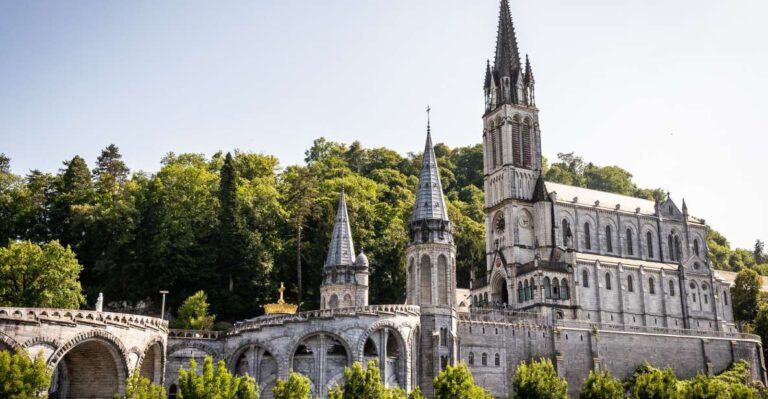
<point>442,280</point>
<point>608,239</point>
<point>630,245</point>
<point>630,284</point>
<point>258,363</point>
<point>585,278</point>
<point>173,392</point>
<point>426,280</point>
<point>587,236</point>
<point>152,364</point>
<point>94,368</point>
<point>333,303</point>
<point>391,358</point>
<point>347,302</point>
<point>564,291</point>
<point>323,371</point>
<point>649,243</point>
<point>500,291</point>
<point>547,288</point>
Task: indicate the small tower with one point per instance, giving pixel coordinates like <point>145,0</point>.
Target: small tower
<point>431,269</point>
<point>345,278</point>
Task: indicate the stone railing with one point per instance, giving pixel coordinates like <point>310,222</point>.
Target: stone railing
<point>503,316</point>
<point>74,317</point>
<point>580,324</point>
<point>273,320</point>
<point>195,334</point>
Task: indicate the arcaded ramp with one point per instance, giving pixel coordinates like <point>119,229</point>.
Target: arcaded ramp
<point>90,353</point>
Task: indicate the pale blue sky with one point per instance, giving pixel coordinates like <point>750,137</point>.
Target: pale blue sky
<point>674,91</point>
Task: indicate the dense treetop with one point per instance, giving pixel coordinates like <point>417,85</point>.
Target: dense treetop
<point>236,225</point>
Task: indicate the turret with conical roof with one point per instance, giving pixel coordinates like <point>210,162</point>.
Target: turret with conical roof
<point>345,276</point>
<point>430,222</point>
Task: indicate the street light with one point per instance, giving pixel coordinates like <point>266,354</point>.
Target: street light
<point>162,307</point>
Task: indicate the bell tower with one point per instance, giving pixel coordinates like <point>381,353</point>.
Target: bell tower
<point>511,154</point>
<point>431,272</point>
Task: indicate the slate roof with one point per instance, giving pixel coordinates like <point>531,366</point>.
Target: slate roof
<point>430,204</point>
<point>341,252</point>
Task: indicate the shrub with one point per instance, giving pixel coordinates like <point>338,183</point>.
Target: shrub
<point>538,380</point>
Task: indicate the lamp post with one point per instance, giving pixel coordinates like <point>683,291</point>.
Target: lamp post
<point>162,307</point>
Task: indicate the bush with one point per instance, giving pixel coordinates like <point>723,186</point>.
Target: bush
<point>22,377</point>
<point>137,387</point>
<point>365,383</point>
<point>653,383</point>
<point>538,380</point>
<point>296,386</point>
<point>214,383</point>
<point>456,382</point>
<point>600,385</point>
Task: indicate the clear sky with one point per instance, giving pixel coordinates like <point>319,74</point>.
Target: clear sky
<point>673,91</point>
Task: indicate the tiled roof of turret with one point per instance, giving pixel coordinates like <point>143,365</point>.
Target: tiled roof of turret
<point>341,252</point>
<point>430,204</point>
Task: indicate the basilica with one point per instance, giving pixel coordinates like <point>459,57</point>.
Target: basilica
<point>588,279</point>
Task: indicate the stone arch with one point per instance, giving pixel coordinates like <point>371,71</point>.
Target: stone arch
<point>8,343</point>
<point>318,351</point>
<point>259,360</point>
<point>89,354</point>
<point>397,357</point>
<point>193,345</point>
<point>333,302</point>
<point>499,288</point>
<point>152,361</point>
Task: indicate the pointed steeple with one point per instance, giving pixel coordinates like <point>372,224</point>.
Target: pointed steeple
<point>685,207</point>
<point>528,71</point>
<point>430,204</point>
<point>487,82</point>
<point>540,191</point>
<point>507,60</point>
<point>341,251</point>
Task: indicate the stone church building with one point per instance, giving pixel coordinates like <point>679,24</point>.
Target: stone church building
<point>585,278</point>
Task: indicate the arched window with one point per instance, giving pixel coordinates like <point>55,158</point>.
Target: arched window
<point>585,278</point>
<point>564,289</point>
<point>587,236</point>
<point>516,127</point>
<point>607,281</point>
<point>500,145</point>
<point>493,147</point>
<point>555,288</point>
<point>608,239</point>
<point>485,359</point>
<point>527,133</point>
<point>630,284</point>
<point>547,288</point>
<point>527,290</point>
<point>497,360</point>
<point>566,230</point>
<point>471,360</point>
<point>173,391</point>
<point>630,247</point>
<point>671,248</point>
<point>651,285</point>
<point>678,251</point>
<point>725,297</point>
<point>671,288</point>
<point>649,243</point>
<point>520,293</point>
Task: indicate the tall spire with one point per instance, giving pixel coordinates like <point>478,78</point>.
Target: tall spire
<point>341,251</point>
<point>507,60</point>
<point>430,204</point>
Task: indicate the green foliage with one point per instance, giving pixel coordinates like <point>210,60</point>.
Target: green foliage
<point>364,383</point>
<point>538,380</point>
<point>137,387</point>
<point>296,386</point>
<point>760,325</point>
<point>22,377</point>
<point>652,383</point>
<point>39,276</point>
<point>456,382</point>
<point>745,295</point>
<point>600,385</point>
<point>193,313</point>
<point>215,382</point>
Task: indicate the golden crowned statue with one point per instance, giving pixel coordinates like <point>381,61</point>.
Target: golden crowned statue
<point>280,307</point>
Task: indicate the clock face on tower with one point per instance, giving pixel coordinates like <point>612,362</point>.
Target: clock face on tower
<point>499,225</point>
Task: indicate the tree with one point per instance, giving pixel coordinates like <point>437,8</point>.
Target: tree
<point>22,377</point>
<point>44,276</point>
<point>5,164</point>
<point>600,385</point>
<point>364,383</point>
<point>761,326</point>
<point>137,387</point>
<point>214,382</point>
<point>538,380</point>
<point>296,386</point>
<point>745,294</point>
<point>110,170</point>
<point>652,383</point>
<point>759,251</point>
<point>456,382</point>
<point>232,245</point>
<point>193,313</point>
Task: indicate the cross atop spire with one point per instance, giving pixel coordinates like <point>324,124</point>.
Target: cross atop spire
<point>428,109</point>
<point>341,252</point>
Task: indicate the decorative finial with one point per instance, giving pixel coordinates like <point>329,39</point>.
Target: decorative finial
<point>281,290</point>
<point>280,307</point>
<point>428,109</point>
